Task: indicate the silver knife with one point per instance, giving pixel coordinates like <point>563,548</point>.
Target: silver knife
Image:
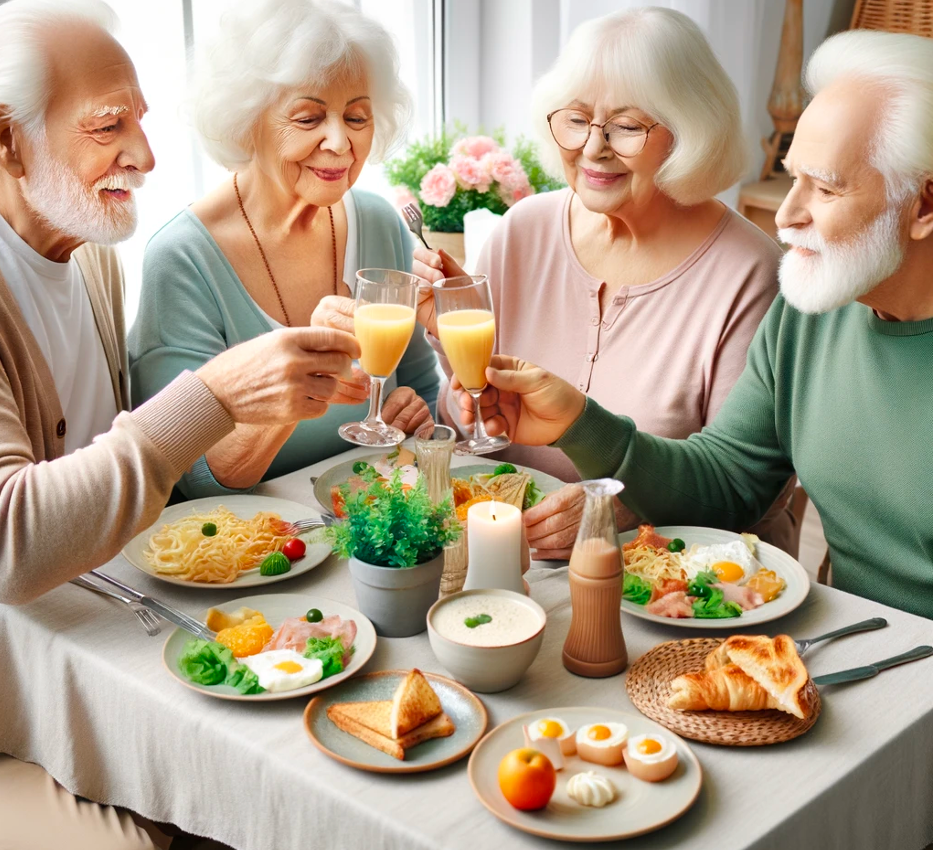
<point>173,615</point>
<point>870,670</point>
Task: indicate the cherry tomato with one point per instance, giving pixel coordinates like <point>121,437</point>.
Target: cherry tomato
<point>294,549</point>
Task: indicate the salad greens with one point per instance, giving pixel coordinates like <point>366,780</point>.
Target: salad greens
<point>710,603</point>
<point>364,470</point>
<point>478,620</point>
<point>329,651</point>
<point>636,589</point>
<point>207,663</point>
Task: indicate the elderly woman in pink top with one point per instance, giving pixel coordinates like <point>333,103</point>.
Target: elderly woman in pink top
<point>634,283</point>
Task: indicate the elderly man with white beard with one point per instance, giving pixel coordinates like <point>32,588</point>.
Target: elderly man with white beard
<point>78,477</point>
<point>839,378</point>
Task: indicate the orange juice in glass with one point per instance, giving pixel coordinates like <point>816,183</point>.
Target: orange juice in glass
<point>383,321</point>
<point>466,327</point>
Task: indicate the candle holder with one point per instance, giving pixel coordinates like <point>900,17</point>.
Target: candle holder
<point>494,531</point>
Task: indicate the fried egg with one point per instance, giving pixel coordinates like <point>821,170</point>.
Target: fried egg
<point>284,669</point>
<point>553,727</point>
<point>731,562</point>
<point>651,757</point>
<point>602,743</point>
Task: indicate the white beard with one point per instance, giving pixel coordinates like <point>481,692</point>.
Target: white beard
<point>70,207</point>
<point>839,273</point>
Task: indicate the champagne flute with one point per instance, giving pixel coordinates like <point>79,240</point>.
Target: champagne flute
<point>384,321</point>
<point>466,327</point>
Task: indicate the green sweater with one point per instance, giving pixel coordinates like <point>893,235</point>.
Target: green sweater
<point>844,400</point>
<point>193,307</point>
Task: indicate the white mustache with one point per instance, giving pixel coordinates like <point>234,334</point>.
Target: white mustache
<point>807,239</point>
<point>121,181</point>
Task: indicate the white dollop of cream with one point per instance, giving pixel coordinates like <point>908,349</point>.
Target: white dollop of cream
<point>591,789</point>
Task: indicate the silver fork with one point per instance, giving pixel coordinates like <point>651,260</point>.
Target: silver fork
<point>415,219</point>
<point>149,620</point>
<point>302,525</point>
<point>864,626</point>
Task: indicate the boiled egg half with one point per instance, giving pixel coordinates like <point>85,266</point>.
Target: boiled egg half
<point>554,728</point>
<point>602,743</point>
<point>651,757</point>
<point>284,669</point>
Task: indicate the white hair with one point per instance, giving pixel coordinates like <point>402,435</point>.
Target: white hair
<point>268,46</point>
<point>24,90</point>
<point>901,66</point>
<point>659,61</point>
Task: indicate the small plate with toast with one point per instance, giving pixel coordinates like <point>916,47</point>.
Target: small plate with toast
<point>396,721</point>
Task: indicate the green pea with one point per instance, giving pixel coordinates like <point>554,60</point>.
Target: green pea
<point>314,616</point>
<point>209,529</point>
<point>676,545</point>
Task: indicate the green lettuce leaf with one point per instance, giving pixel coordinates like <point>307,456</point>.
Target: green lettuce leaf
<point>533,495</point>
<point>207,663</point>
<point>329,651</point>
<point>636,589</point>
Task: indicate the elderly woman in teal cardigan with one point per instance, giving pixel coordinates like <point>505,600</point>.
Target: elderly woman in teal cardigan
<point>293,99</point>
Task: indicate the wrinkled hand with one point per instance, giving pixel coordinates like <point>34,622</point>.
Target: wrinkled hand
<point>406,410</point>
<point>551,526</point>
<point>524,401</point>
<point>432,266</point>
<point>334,311</point>
<point>353,390</point>
<point>283,376</point>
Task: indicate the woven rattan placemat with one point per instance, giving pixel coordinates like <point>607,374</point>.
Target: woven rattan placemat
<point>648,685</point>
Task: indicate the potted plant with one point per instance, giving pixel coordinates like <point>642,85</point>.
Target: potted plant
<point>394,538</point>
<point>453,174</point>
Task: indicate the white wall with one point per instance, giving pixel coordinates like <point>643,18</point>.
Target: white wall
<point>521,38</point>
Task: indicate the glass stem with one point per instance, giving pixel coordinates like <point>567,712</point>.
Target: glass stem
<point>375,399</point>
<point>479,429</point>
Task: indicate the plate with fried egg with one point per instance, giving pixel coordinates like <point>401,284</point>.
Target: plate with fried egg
<point>616,774</point>
<point>741,581</point>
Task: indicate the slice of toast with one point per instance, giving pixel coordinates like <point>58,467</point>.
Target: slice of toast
<point>413,704</point>
<point>372,715</point>
<point>439,727</point>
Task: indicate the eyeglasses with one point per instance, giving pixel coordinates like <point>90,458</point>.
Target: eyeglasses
<point>626,136</point>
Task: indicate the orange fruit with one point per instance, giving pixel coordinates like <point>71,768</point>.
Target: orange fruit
<point>246,639</point>
<point>527,779</point>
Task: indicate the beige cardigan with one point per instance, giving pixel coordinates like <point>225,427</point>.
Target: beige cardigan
<point>61,516</point>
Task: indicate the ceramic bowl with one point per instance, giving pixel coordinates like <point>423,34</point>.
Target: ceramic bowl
<point>486,669</point>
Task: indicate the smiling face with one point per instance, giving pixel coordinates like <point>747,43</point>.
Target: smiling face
<point>80,174</point>
<point>314,141</point>
<point>844,237</point>
<point>605,182</point>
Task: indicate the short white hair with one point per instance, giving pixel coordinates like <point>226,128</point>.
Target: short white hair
<point>24,89</point>
<point>268,46</point>
<point>901,67</point>
<point>659,61</point>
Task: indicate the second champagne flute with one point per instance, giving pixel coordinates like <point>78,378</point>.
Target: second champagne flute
<point>384,321</point>
<point>466,327</point>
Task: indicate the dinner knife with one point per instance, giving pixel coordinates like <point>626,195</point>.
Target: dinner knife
<point>870,670</point>
<point>173,615</point>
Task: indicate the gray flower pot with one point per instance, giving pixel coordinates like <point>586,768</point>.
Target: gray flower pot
<point>397,600</point>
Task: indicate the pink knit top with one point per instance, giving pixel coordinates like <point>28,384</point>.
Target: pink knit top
<point>665,353</point>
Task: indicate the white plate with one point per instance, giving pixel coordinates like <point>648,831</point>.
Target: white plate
<point>245,507</point>
<point>639,806</point>
<point>798,583</point>
<point>277,607</point>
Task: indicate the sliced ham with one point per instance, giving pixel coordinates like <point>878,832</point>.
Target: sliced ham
<point>744,596</point>
<point>676,605</point>
<point>647,536</point>
<point>665,586</point>
<point>295,631</point>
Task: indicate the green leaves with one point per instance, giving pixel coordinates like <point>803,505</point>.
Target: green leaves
<point>710,604</point>
<point>329,651</point>
<point>478,620</point>
<point>209,663</point>
<point>388,526</point>
<point>636,589</point>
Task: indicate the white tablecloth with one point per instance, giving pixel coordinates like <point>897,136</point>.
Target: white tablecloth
<point>83,693</point>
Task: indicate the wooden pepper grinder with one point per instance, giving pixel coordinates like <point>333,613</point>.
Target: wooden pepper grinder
<point>595,646</point>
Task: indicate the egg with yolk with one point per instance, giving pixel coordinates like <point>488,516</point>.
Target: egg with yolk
<point>728,571</point>
<point>555,729</point>
<point>651,757</point>
<point>602,743</point>
<point>284,669</point>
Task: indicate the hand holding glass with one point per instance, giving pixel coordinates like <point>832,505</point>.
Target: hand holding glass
<point>466,327</point>
<point>383,322</point>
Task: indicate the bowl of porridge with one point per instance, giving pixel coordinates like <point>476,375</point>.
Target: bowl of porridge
<point>486,639</point>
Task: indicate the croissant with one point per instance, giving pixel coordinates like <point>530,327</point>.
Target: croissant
<point>724,689</point>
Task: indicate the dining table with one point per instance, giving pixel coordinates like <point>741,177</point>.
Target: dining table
<point>84,694</point>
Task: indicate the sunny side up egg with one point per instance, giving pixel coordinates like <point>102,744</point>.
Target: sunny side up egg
<point>284,669</point>
<point>553,727</point>
<point>731,561</point>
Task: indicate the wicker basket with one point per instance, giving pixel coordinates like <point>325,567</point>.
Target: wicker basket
<point>908,16</point>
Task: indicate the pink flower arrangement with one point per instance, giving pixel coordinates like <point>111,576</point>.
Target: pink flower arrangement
<point>477,163</point>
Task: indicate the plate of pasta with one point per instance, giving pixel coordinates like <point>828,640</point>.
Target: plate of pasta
<point>707,578</point>
<point>230,541</point>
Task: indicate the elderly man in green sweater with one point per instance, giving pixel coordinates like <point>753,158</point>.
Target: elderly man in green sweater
<point>839,379</point>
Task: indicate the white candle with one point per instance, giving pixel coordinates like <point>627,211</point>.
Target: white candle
<point>494,537</point>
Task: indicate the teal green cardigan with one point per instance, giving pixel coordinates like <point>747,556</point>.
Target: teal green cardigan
<point>193,307</point>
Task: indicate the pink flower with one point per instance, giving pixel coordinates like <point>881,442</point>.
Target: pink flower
<point>512,194</point>
<point>474,146</point>
<point>471,173</point>
<point>501,165</point>
<point>438,186</point>
<point>404,197</point>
